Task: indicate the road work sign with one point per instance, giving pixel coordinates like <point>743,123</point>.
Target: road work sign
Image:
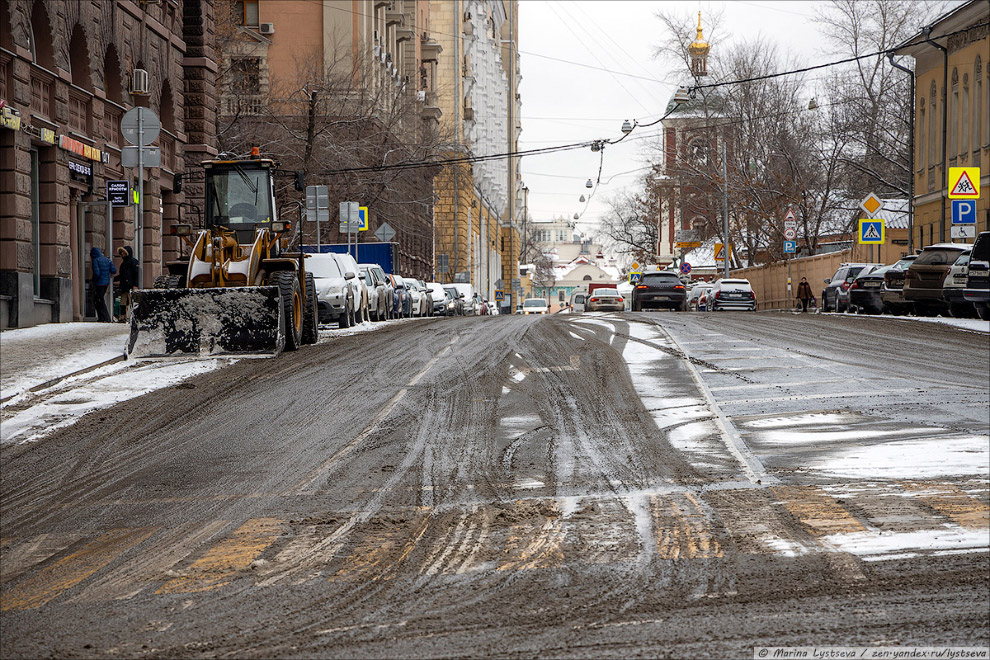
<point>964,183</point>
<point>963,211</point>
<point>871,232</point>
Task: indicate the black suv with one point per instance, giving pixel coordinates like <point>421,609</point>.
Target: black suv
<point>658,290</point>
<point>977,289</point>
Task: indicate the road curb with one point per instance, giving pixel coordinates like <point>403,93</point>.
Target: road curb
<point>55,381</point>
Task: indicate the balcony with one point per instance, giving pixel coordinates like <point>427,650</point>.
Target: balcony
<point>431,109</point>
<point>394,18</point>
<point>431,50</point>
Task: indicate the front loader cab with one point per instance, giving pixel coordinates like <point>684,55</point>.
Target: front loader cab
<point>240,195</point>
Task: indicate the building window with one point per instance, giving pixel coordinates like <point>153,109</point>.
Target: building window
<point>964,118</point>
<point>245,76</point>
<point>921,135</point>
<point>954,114</point>
<point>978,108</point>
<point>36,219</point>
<point>248,12</point>
<point>932,130</point>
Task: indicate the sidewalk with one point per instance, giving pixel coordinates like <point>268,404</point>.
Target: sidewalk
<point>34,356</point>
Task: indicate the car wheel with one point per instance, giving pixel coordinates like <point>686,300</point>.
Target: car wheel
<point>344,320</point>
<point>983,311</point>
<point>960,310</point>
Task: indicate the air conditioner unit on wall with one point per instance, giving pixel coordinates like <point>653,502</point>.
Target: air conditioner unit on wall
<point>139,82</point>
<point>266,28</point>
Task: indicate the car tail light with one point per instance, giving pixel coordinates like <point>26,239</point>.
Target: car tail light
<point>844,286</point>
<point>642,286</point>
<point>752,294</point>
<point>717,294</point>
<point>622,300</point>
<point>679,286</point>
<point>854,285</point>
<point>594,300</point>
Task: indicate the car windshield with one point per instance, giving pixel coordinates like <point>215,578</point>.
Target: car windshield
<point>535,302</point>
<point>323,266</point>
<point>937,257</point>
<point>451,291</point>
<point>962,260</point>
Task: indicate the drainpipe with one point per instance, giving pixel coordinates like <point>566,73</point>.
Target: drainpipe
<point>890,57</point>
<point>457,124</point>
<point>945,119</point>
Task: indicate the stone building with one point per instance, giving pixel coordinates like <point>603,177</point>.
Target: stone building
<point>331,86</point>
<point>478,208</point>
<point>951,116</point>
<point>68,73</point>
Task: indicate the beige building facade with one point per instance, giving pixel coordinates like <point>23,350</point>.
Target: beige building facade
<point>951,117</point>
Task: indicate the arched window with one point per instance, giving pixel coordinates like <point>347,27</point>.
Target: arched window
<point>964,117</point>
<point>922,152</point>
<point>112,79</point>
<point>954,114</point>
<point>978,107</point>
<point>166,111</point>
<point>586,278</point>
<point>41,37</point>
<point>932,129</point>
<point>79,59</point>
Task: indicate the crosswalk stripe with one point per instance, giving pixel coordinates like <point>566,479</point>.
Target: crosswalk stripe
<point>72,569</point>
<point>821,514</point>
<point>537,544</point>
<point>18,556</point>
<point>222,562</point>
<point>380,555</point>
<point>953,503</point>
<point>682,528</point>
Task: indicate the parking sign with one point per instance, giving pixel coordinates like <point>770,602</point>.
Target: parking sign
<point>964,212</point>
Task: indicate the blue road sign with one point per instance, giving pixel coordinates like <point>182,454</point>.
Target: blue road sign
<point>871,232</point>
<point>790,247</point>
<point>685,268</point>
<point>964,212</point>
<point>499,296</point>
<point>634,278</point>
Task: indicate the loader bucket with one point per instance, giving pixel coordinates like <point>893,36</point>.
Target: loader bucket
<point>218,321</point>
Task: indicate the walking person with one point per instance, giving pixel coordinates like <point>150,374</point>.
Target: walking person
<point>804,294</point>
<point>127,279</point>
<point>103,268</point>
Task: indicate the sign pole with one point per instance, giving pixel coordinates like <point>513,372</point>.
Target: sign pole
<point>725,213</point>
<point>138,220</point>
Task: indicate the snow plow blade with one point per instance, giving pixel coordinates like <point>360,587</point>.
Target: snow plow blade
<point>206,322</point>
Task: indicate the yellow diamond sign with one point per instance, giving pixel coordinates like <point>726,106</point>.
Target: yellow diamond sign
<point>871,204</point>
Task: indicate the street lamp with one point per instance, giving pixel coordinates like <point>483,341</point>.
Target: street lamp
<point>589,184</point>
<point>627,127</point>
<point>581,198</point>
<point>577,217</point>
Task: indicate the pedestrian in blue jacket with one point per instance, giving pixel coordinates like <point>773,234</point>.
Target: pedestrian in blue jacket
<point>103,268</point>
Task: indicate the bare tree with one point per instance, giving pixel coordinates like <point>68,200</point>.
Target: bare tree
<point>629,226</point>
<point>544,274</point>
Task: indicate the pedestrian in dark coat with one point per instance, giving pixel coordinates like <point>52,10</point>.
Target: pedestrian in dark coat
<point>804,293</point>
<point>127,279</point>
<point>103,268</point>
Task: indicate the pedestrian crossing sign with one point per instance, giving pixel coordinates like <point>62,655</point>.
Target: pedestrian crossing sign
<point>635,277</point>
<point>871,232</point>
<point>499,296</point>
<point>964,183</point>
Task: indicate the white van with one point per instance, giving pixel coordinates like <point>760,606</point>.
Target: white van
<point>467,293</point>
<point>578,297</point>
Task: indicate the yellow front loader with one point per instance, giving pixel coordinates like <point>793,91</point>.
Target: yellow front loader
<point>240,291</point>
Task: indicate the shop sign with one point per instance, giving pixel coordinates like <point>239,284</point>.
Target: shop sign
<point>9,118</point>
<point>80,149</point>
<point>81,172</point>
<point>46,135</point>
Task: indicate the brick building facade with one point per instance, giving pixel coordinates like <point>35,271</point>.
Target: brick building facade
<point>67,76</point>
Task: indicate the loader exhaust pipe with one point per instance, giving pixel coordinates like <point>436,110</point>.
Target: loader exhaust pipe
<point>206,322</point>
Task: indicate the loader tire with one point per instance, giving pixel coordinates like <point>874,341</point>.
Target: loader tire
<point>167,282</point>
<point>288,287</point>
<point>310,332</point>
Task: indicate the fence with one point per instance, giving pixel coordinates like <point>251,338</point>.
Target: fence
<point>770,282</point>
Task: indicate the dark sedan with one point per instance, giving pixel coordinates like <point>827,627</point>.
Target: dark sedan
<point>659,290</point>
<point>892,291</point>
<point>864,292</point>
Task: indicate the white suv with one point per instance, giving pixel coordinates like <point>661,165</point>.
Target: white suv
<point>732,294</point>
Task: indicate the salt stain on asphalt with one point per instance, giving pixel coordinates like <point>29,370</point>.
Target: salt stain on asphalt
<point>912,459</point>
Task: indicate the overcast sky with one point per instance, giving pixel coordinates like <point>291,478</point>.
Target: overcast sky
<point>564,102</point>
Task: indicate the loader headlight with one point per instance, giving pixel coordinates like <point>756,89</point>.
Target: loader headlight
<point>181,230</point>
<point>280,226</point>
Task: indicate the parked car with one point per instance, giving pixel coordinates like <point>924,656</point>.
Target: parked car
<point>697,297</point>
<point>456,305</point>
<point>400,297</point>
<point>864,292</point>
<point>924,277</point>
<point>954,285</point>
<point>577,300</point>
<point>535,306</point>
<point>349,266</point>
<point>438,299</point>
<point>662,289</point>
<point>418,302</point>
<point>380,291</point>
<point>977,289</point>
<point>834,296</point>
<point>467,291</point>
<point>605,300</point>
<point>732,294</point>
<point>892,291</point>
<point>334,296</point>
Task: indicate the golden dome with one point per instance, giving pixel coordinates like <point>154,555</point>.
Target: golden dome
<point>699,46</point>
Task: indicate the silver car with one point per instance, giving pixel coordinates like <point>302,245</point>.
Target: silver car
<point>334,296</point>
